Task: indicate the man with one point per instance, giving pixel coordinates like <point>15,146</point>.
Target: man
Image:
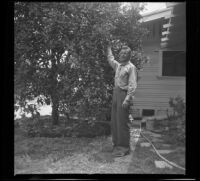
<point>124,89</point>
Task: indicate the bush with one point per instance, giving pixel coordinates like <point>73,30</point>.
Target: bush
<point>177,120</point>
<point>178,106</point>
<point>75,128</point>
<point>32,126</point>
<point>84,30</point>
<point>86,129</point>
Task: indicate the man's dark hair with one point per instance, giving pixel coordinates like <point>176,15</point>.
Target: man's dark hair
<point>126,47</point>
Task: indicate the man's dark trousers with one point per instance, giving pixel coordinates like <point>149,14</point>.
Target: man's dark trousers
<point>120,119</point>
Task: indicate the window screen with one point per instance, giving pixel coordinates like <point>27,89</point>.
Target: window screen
<point>174,63</point>
<point>148,112</point>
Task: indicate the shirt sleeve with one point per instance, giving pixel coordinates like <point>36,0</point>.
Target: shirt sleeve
<point>132,83</point>
<point>113,63</point>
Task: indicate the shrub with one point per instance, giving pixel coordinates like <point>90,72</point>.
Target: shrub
<point>76,128</point>
<point>82,76</point>
<point>178,106</point>
<point>32,126</point>
<point>177,120</point>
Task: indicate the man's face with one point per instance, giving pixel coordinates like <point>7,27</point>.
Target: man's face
<point>124,55</point>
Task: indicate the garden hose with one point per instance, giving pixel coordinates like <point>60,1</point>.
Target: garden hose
<point>171,163</point>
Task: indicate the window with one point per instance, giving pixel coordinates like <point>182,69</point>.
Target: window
<point>151,27</point>
<point>173,63</point>
<point>160,30</point>
<point>148,112</point>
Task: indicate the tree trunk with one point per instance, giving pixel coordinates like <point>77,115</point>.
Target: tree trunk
<point>54,97</point>
<point>55,114</point>
<point>67,118</point>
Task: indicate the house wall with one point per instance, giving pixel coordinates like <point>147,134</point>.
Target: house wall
<point>154,91</point>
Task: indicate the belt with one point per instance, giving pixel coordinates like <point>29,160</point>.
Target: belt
<point>120,88</point>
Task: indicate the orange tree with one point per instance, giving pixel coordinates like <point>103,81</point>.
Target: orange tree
<point>60,54</point>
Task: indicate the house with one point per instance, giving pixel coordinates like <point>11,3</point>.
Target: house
<point>164,76</point>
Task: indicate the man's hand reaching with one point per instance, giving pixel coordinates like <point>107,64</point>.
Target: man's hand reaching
<point>109,49</point>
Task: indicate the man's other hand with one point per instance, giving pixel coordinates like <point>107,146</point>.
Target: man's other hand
<point>125,104</point>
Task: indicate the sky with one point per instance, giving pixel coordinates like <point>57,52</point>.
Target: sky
<point>149,6</point>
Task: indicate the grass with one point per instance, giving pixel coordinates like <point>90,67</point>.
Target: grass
<point>144,157</point>
<point>40,155</point>
<point>45,155</point>
<point>62,155</point>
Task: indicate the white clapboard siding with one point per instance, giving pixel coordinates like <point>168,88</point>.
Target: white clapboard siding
<point>153,91</point>
<point>157,93</point>
<point>151,105</point>
<point>166,84</point>
<point>152,95</point>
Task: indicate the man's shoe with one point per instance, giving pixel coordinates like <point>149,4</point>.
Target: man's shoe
<point>109,148</point>
<point>120,153</point>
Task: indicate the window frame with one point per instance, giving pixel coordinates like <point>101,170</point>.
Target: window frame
<point>160,71</point>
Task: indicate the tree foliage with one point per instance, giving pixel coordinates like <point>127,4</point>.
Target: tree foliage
<point>60,54</point>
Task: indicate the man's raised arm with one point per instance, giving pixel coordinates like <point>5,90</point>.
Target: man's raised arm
<point>113,63</point>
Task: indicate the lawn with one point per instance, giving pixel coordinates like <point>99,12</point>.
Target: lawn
<point>40,155</point>
<point>65,155</point>
<point>143,160</point>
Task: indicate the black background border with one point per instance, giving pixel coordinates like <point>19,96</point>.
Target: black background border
<point>7,100</point>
